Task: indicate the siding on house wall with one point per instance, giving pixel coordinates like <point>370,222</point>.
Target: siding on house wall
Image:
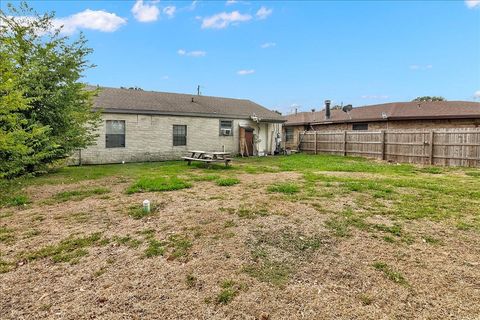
<point>150,138</point>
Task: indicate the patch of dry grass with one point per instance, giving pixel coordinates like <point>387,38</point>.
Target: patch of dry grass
<point>380,240</point>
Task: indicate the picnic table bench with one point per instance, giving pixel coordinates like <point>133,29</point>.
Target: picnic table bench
<point>207,157</point>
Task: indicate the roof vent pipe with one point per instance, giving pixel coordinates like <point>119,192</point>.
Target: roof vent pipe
<point>327,109</point>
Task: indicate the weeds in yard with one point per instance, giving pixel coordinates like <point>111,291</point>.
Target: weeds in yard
<point>287,240</point>
<point>273,272</point>
<point>99,272</point>
<point>68,250</point>
<point>391,274</point>
<point>205,177</point>
<point>338,226</point>
<point>155,248</point>
<point>158,184</point>
<point>431,170</point>
<point>31,233</point>
<point>6,235</point>
<point>77,195</point>
<point>229,290</point>
<point>464,226</point>
<point>293,246</point>
<point>179,245</point>
<point>147,233</point>
<point>475,174</point>
<point>14,201</point>
<point>252,212</point>
<point>342,224</point>
<point>229,224</point>
<point>6,266</point>
<point>286,187</point>
<point>431,240</point>
<point>366,299</point>
<point>225,182</point>
<point>127,241</point>
<point>191,280</point>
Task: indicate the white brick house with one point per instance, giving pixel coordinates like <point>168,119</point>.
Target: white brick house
<point>149,126</point>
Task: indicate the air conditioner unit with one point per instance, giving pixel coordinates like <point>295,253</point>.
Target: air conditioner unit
<point>226,132</point>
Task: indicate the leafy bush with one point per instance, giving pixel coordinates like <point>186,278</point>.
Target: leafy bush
<point>46,112</point>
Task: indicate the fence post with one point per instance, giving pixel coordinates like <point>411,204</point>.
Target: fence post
<point>345,143</point>
<point>315,132</point>
<point>382,134</point>
<point>431,146</point>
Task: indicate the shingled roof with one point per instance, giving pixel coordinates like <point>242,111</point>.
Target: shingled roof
<point>392,111</point>
<point>114,100</point>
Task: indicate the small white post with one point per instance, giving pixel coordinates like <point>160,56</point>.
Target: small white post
<point>146,206</point>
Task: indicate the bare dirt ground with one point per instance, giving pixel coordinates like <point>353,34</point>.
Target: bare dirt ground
<point>303,270</point>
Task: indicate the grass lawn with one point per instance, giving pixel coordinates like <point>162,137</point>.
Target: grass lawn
<point>298,236</point>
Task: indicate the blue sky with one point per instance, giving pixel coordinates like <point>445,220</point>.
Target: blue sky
<point>282,54</point>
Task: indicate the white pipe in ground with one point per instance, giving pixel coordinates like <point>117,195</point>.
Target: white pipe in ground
<point>146,205</point>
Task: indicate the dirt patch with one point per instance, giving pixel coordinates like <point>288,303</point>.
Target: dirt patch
<point>328,276</point>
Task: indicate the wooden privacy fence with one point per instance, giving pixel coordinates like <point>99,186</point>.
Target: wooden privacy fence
<point>445,147</point>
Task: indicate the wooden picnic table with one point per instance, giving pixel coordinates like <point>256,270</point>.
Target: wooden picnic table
<point>207,157</point>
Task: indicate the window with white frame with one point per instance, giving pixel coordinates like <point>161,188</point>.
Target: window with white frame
<point>226,127</point>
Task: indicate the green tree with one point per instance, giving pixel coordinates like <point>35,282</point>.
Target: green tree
<point>48,96</point>
<point>428,98</point>
<point>22,144</point>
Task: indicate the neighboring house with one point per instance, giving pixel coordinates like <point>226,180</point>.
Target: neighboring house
<point>142,125</point>
<point>398,115</point>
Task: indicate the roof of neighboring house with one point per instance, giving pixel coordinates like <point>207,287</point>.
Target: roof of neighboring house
<point>114,100</point>
<point>392,111</point>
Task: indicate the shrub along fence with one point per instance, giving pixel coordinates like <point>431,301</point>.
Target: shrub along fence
<point>445,147</point>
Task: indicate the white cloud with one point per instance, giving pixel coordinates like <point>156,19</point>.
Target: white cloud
<point>192,6</point>
<point>196,53</point>
<point>169,11</point>
<point>230,2</point>
<point>145,12</point>
<point>90,19</point>
<point>224,19</point>
<point>476,95</point>
<point>268,45</point>
<point>472,3</point>
<point>245,72</point>
<point>165,77</point>
<point>374,97</point>
<point>263,12</point>
<point>420,67</point>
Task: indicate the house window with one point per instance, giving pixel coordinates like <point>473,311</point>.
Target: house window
<point>288,134</point>
<point>115,134</point>
<point>226,127</point>
<point>179,135</point>
<point>360,126</point>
